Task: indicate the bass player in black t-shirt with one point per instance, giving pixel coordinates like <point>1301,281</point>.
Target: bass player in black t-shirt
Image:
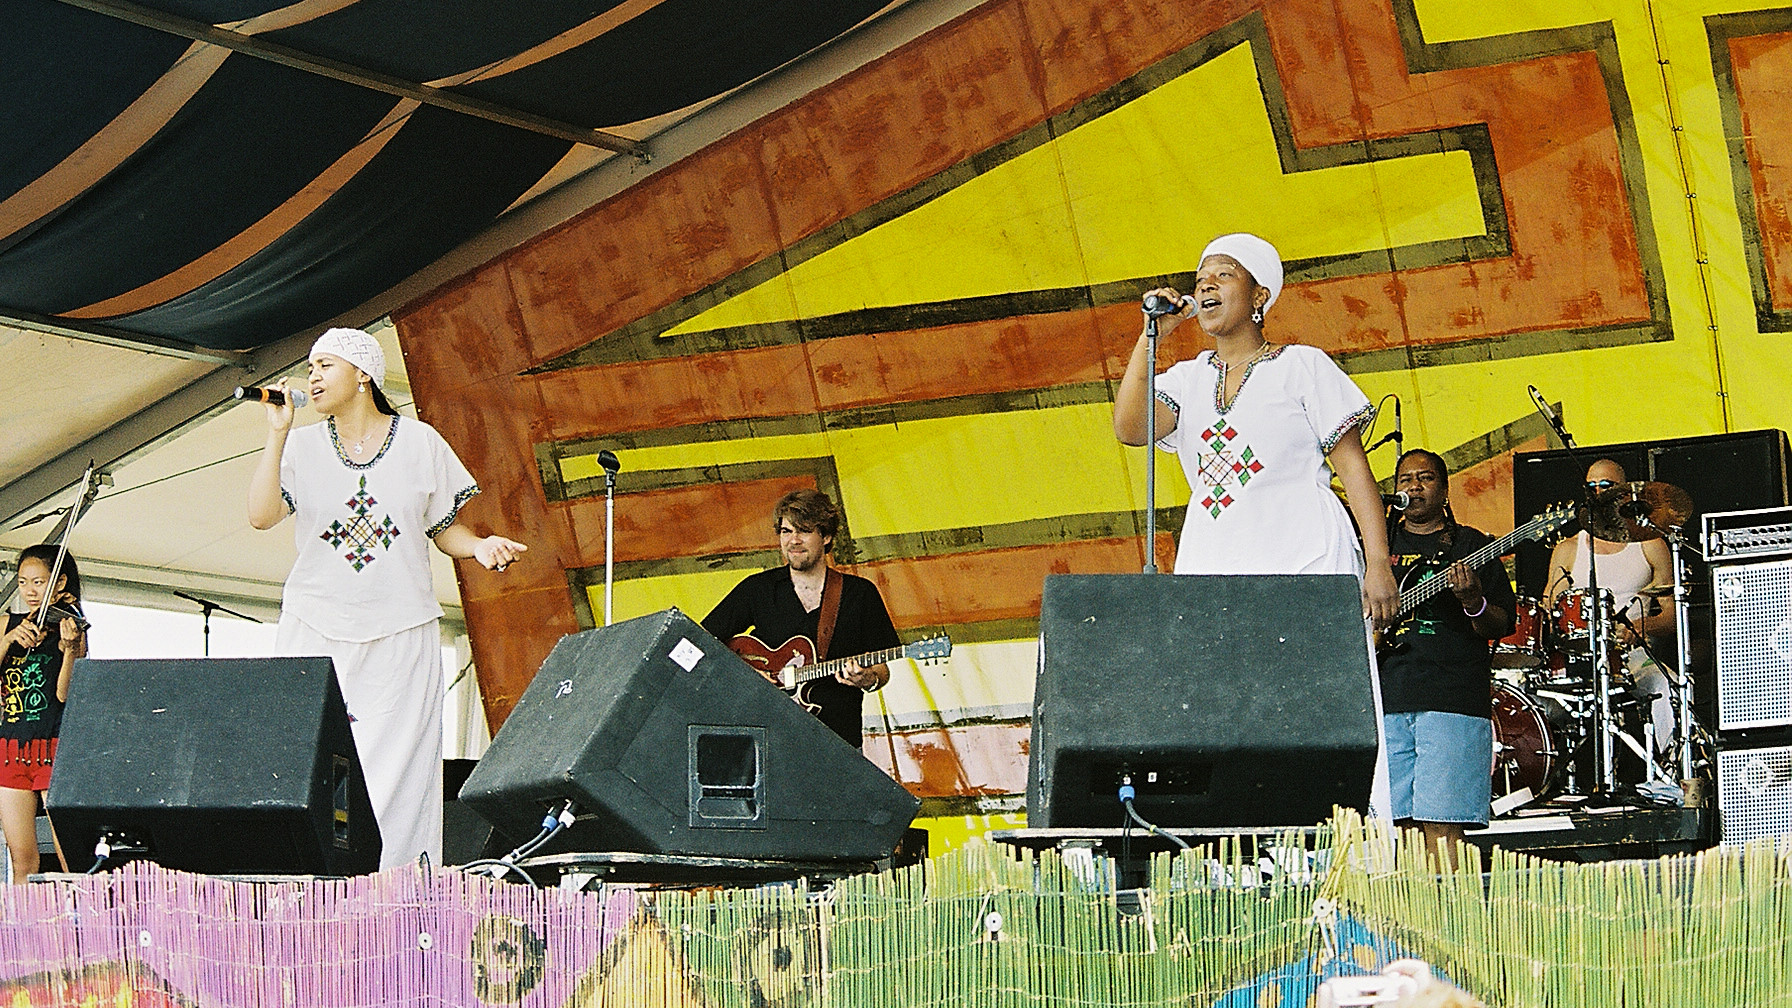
<point>1436,675</point>
<point>788,602</point>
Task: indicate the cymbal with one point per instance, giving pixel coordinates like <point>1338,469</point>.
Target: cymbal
<point>1602,521</point>
<point>1636,511</point>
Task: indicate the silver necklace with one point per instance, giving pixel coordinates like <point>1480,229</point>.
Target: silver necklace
<point>356,447</point>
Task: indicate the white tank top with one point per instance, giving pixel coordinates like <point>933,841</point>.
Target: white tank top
<point>1622,573</point>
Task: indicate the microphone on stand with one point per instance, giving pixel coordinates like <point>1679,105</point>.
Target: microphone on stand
<point>611,466</point>
<point>254,393</point>
<point>1549,414</point>
<point>1397,435</point>
<point>1157,305</point>
<point>1398,500</point>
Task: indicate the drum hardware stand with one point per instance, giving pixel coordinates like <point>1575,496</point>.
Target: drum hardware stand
<point>1682,681</point>
<point>1599,638</point>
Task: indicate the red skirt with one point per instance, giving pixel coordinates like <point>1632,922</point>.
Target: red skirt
<point>25,764</point>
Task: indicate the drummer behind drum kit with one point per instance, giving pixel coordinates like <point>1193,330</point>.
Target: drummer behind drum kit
<point>1562,692</point>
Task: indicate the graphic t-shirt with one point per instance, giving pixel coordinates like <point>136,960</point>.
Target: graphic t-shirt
<point>28,707</point>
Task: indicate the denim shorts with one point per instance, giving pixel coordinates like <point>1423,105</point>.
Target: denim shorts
<point>1440,766</point>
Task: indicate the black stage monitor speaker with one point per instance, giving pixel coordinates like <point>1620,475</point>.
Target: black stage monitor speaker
<point>668,743</point>
<point>220,765</point>
<point>1228,700</point>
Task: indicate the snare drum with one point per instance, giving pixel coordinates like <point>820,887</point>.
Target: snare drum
<point>1528,748</point>
<point>1571,667</point>
<point>1523,647</point>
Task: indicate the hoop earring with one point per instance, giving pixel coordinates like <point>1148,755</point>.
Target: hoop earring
<point>1257,316</point>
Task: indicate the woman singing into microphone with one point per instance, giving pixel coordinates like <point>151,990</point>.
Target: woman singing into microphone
<point>369,490</point>
<point>1260,428</point>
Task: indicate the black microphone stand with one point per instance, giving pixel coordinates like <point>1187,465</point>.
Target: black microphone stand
<point>1158,308</point>
<point>611,465</point>
<point>1598,619</point>
<point>207,607</point>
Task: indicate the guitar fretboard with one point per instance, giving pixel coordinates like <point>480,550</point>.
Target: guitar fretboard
<point>1430,587</point>
<point>833,666</point>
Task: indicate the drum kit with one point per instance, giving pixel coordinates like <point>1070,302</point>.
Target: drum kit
<point>1564,695</point>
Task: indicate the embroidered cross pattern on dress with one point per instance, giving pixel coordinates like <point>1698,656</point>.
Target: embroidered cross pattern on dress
<point>1224,467</point>
<point>361,532</point>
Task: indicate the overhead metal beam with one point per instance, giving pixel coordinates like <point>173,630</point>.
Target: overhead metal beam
<point>273,52</point>
<point>88,332</point>
<point>884,33</point>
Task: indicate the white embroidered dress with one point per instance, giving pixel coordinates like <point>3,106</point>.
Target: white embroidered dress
<point>1260,498</point>
<point>360,592</point>
<point>1260,486</point>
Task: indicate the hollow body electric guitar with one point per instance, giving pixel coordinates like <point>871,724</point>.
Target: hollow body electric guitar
<point>1422,584</point>
<point>791,666</point>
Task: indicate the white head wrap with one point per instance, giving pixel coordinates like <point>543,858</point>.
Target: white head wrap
<point>1258,257</point>
<point>362,350</point>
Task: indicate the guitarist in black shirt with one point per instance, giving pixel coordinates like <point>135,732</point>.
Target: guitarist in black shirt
<point>788,601</point>
<point>1435,670</point>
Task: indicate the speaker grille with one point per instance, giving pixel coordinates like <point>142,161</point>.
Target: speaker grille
<point>1754,644</point>
<point>1754,790</point>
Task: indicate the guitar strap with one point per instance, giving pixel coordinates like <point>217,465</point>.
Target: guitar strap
<point>830,611</point>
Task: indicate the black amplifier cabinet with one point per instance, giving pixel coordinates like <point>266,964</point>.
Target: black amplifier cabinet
<point>1741,471</point>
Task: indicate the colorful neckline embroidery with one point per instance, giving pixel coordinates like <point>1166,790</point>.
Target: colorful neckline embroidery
<point>1220,405</point>
<point>336,440</point>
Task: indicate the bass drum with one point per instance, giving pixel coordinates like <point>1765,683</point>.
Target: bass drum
<point>1529,749</point>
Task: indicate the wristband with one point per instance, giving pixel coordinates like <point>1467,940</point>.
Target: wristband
<point>1477,612</point>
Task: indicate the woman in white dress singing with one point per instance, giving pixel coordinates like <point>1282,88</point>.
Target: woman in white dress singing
<point>369,490</point>
<point>1260,428</point>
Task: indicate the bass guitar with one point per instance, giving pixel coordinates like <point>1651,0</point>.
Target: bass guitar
<point>791,666</point>
<point>1422,584</point>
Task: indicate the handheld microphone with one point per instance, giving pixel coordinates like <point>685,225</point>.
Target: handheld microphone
<point>1157,305</point>
<point>1398,500</point>
<point>255,393</point>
